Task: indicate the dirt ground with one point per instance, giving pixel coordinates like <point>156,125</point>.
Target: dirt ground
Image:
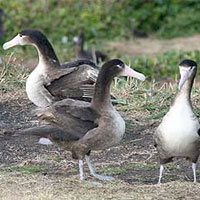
<point>30,171</point>
<point>154,46</point>
<point>33,171</point>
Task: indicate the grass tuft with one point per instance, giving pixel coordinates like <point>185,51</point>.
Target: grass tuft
<point>12,76</point>
<point>29,169</point>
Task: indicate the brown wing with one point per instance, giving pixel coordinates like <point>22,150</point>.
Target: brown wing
<point>72,116</point>
<point>70,84</point>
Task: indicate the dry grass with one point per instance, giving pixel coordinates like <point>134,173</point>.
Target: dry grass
<point>38,187</point>
<point>12,76</point>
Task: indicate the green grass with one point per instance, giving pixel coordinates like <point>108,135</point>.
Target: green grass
<point>162,66</point>
<point>112,171</point>
<point>143,166</point>
<point>58,159</point>
<point>130,166</point>
<point>27,169</point>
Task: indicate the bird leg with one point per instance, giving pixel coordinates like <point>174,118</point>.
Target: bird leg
<point>80,164</point>
<point>194,166</point>
<point>160,174</point>
<point>93,173</point>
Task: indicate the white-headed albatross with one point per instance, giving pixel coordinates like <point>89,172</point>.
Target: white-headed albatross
<point>178,135</point>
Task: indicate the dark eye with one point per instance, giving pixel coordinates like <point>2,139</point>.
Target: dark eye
<point>20,35</point>
<point>119,66</point>
<point>191,68</point>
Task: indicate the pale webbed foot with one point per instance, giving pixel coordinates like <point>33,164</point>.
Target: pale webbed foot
<point>103,177</point>
<point>93,173</point>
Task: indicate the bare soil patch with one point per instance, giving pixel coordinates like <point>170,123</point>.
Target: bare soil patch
<point>153,46</point>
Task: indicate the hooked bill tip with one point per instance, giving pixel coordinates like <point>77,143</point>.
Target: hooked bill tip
<point>5,47</point>
<point>142,77</point>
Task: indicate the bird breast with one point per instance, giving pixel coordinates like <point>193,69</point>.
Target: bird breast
<point>116,128</point>
<point>179,128</point>
<point>35,89</point>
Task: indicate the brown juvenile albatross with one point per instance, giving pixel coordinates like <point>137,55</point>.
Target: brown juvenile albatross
<point>81,127</point>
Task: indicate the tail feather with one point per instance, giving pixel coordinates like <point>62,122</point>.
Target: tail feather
<point>48,131</point>
<point>41,131</point>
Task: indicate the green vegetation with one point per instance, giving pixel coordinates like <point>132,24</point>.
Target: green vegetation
<point>28,169</point>
<point>102,19</point>
<point>113,171</point>
<point>58,159</point>
<point>161,66</point>
<point>158,68</point>
<point>125,169</point>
